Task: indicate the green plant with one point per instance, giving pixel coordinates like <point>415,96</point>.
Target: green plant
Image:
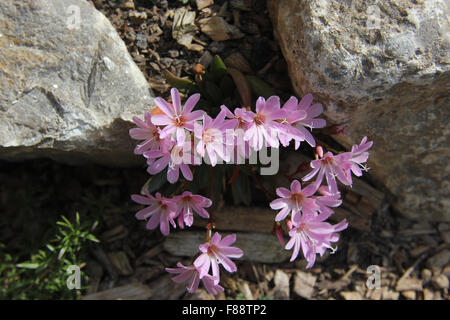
<point>45,275</point>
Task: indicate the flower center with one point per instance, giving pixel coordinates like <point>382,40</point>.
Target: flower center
<point>163,206</point>
<point>155,134</point>
<point>211,250</point>
<point>297,197</point>
<point>259,119</point>
<point>328,160</point>
<point>208,137</point>
<point>179,120</point>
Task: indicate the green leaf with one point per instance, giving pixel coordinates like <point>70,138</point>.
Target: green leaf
<point>259,87</point>
<point>216,71</point>
<point>184,85</point>
<point>61,252</point>
<point>27,265</point>
<point>217,65</point>
<point>92,238</point>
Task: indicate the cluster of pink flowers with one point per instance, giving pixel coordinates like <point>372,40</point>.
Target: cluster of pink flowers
<point>308,212</point>
<point>178,137</point>
<point>213,253</point>
<point>167,140</point>
<point>162,211</point>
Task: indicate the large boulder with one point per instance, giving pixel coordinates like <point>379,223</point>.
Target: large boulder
<point>68,87</point>
<point>381,68</point>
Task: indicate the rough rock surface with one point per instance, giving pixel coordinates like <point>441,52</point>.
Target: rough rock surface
<point>68,91</point>
<point>381,69</point>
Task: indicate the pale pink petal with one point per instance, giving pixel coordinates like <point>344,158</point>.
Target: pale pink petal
<point>190,103</point>
<point>228,240</point>
<point>283,192</point>
<point>164,106</point>
<point>141,199</point>
<point>173,174</point>
<point>278,204</point>
<point>232,252</point>
<point>161,120</point>
<point>154,221</point>
<point>311,175</point>
<point>282,214</point>
<point>305,102</point>
<point>186,171</point>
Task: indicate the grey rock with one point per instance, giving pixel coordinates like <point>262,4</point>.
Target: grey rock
<point>201,4</point>
<point>439,260</point>
<point>257,247</point>
<point>281,281</point>
<point>381,69</point>
<point>184,28</point>
<point>68,91</point>
<point>219,30</point>
<point>407,284</point>
<point>200,294</point>
<point>304,284</point>
<point>440,281</point>
<point>351,295</point>
<point>141,40</point>
<point>426,275</point>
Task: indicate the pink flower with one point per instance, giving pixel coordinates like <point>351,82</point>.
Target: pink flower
<point>238,120</point>
<point>294,201</point>
<point>359,155</point>
<point>331,167</point>
<point>327,200</point>
<point>177,119</point>
<point>293,116</point>
<point>237,148</point>
<point>148,132</point>
<point>191,274</point>
<point>313,236</point>
<point>216,252</point>
<point>263,124</point>
<point>172,156</point>
<point>310,121</point>
<point>187,204</point>
<point>210,137</point>
<point>161,211</point>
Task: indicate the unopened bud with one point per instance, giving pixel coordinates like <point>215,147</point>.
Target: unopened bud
<point>319,151</point>
<point>279,233</point>
<point>289,224</point>
<point>198,69</point>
